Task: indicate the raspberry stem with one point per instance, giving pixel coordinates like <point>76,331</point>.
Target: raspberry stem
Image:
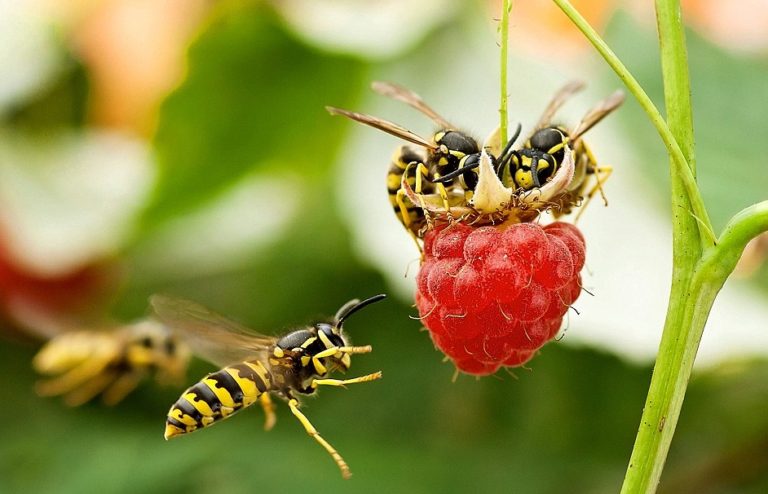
<point>506,7</point>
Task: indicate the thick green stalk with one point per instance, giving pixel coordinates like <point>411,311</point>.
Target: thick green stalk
<point>682,333</point>
<point>670,379</point>
<point>674,67</point>
<point>678,348</point>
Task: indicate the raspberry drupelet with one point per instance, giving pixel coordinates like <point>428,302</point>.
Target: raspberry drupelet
<point>492,296</point>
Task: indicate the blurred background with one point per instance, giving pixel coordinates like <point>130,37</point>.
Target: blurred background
<point>182,146</point>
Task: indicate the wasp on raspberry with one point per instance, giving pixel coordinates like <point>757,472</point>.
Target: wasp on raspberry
<point>421,168</point>
<point>543,153</point>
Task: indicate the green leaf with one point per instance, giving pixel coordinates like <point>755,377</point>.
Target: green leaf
<point>253,99</point>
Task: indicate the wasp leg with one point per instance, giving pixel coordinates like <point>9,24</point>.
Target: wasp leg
<point>405,217</point>
<point>422,172</point>
<point>119,389</point>
<point>601,176</point>
<point>597,170</point>
<point>269,411</point>
<point>74,378</point>
<point>88,390</point>
<point>294,406</point>
<point>344,349</point>
<point>343,382</point>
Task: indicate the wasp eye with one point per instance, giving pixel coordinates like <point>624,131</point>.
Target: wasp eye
<point>170,346</point>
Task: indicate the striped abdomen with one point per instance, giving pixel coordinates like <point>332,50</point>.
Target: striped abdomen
<point>404,156</point>
<point>217,396</point>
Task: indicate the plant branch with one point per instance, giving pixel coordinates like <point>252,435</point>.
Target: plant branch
<point>677,86</point>
<point>678,349</point>
<point>743,227</point>
<point>679,163</point>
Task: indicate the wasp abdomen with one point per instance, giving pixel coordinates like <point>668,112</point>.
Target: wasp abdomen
<point>217,396</point>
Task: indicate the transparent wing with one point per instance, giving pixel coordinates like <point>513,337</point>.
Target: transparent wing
<point>601,110</point>
<point>411,99</point>
<point>383,125</point>
<point>210,335</point>
<point>561,96</point>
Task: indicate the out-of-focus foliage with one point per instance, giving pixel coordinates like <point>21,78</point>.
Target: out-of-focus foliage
<point>251,108</point>
<point>253,98</point>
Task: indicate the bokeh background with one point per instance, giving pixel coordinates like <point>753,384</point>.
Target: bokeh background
<point>181,146</point>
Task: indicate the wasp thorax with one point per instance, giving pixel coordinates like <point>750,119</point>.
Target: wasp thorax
<point>294,339</point>
<point>456,141</point>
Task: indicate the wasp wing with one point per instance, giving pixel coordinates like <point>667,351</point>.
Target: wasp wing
<point>211,336</point>
<point>601,110</point>
<point>411,99</point>
<point>383,125</point>
<point>561,96</point>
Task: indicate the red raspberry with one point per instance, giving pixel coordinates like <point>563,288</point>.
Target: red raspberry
<point>492,297</point>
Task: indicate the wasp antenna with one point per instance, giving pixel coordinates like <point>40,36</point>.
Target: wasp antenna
<point>355,305</point>
<point>450,176</point>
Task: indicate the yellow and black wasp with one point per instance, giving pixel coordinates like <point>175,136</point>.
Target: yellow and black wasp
<point>449,150</point>
<point>83,364</point>
<point>256,365</point>
<point>543,151</point>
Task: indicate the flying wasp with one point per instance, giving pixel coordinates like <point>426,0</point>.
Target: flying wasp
<point>543,152</point>
<point>449,150</point>
<point>83,364</point>
<point>256,365</point>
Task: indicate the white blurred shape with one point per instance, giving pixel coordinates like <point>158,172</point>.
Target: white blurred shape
<point>224,233</point>
<point>29,53</point>
<point>368,28</point>
<point>70,199</point>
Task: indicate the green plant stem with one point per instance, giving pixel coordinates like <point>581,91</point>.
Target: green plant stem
<point>743,227</point>
<point>506,6</point>
<point>691,297</point>
<point>674,68</point>
<point>701,265</point>
<point>678,348</point>
<point>679,162</point>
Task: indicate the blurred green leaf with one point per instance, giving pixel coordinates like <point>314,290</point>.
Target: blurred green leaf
<point>61,105</point>
<point>253,98</point>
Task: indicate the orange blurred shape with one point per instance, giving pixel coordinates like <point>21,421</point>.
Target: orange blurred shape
<point>134,50</point>
<point>739,24</point>
<point>540,28</point>
<point>753,257</point>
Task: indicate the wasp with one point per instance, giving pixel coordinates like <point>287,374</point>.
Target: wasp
<point>255,366</point>
<point>448,151</point>
<point>84,364</point>
<point>543,152</point>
